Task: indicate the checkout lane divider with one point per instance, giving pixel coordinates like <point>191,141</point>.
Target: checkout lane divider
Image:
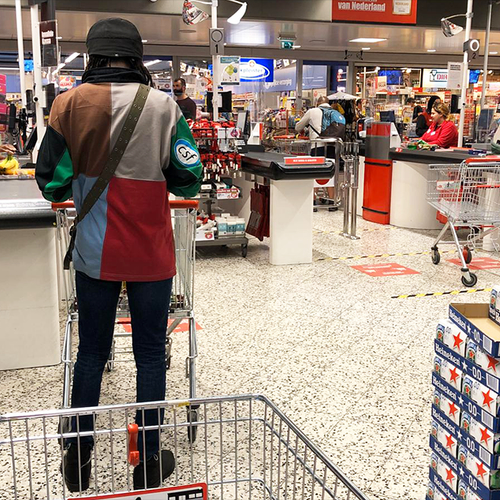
<point>380,256</point>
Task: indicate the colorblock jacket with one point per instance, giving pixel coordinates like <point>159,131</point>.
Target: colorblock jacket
<point>127,236</point>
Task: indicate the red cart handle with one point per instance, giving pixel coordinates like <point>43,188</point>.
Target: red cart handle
<point>175,204</point>
<point>63,206</point>
<point>133,452</point>
<point>483,159</point>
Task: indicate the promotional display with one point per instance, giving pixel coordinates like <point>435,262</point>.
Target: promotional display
<point>375,11</point>
<point>257,70</point>
<point>230,70</point>
<point>465,435</point>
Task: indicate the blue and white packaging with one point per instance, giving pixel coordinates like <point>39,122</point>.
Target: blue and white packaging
<point>448,372</point>
<point>452,336</point>
<point>483,396</point>
<point>474,320</point>
<point>481,434</point>
<point>445,469</point>
<point>445,438</point>
<point>447,406</point>
<point>477,355</point>
<point>495,304</point>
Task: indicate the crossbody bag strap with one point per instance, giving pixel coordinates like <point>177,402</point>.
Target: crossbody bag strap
<point>111,164</point>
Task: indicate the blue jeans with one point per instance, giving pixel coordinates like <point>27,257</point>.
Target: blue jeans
<point>149,305</point>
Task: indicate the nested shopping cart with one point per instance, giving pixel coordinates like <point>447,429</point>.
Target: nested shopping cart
<point>246,449</point>
<point>183,214</point>
<point>468,195</point>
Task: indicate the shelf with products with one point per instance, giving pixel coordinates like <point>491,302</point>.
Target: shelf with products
<point>218,144</point>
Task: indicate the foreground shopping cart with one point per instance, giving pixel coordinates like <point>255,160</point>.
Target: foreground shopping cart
<point>468,195</point>
<point>246,448</point>
<point>181,302</point>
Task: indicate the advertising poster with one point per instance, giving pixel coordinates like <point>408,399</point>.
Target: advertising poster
<point>375,11</point>
<point>230,70</point>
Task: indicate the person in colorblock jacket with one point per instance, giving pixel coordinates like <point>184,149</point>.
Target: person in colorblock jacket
<point>127,235</point>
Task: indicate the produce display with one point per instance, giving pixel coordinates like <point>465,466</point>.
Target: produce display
<point>9,166</point>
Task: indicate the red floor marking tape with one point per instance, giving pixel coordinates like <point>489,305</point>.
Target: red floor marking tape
<point>385,270</point>
<point>479,263</point>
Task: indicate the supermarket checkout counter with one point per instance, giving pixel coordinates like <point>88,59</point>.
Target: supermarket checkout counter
<point>291,184</point>
<point>393,181</point>
<point>29,304</point>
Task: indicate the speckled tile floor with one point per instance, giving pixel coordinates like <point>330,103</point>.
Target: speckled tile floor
<point>345,361</point>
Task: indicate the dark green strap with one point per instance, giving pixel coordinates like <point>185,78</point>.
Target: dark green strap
<point>111,165</point>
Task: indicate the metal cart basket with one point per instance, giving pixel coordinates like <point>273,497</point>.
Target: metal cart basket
<point>246,448</point>
<point>181,302</point>
<point>468,195</point>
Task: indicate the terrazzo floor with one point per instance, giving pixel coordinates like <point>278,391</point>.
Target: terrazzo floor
<point>349,364</point>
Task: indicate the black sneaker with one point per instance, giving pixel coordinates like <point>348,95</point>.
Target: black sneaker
<point>73,470</point>
<point>153,471</point>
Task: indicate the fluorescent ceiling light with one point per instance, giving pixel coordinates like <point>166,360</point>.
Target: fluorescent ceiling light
<point>59,37</point>
<point>72,57</point>
<point>152,63</point>
<point>366,48</point>
<point>493,53</point>
<point>431,50</point>
<point>297,46</point>
<point>144,41</point>
<point>237,16</point>
<point>368,40</point>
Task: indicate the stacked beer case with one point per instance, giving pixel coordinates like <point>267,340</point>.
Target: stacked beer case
<point>465,436</point>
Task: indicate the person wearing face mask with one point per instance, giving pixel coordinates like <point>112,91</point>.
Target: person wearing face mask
<point>187,105</point>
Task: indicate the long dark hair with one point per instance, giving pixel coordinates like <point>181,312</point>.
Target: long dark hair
<point>133,62</point>
<point>431,102</point>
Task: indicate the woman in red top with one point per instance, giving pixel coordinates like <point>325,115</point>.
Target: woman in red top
<point>442,132</point>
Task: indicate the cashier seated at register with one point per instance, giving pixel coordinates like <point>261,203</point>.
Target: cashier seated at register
<point>442,132</point>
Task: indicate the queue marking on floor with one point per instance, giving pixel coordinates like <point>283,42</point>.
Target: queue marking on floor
<point>441,294</point>
<point>380,256</point>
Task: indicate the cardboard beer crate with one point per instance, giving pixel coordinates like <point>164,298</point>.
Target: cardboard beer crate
<point>449,334</point>
<point>474,319</point>
<point>466,404</point>
<point>469,366</point>
<point>447,466</point>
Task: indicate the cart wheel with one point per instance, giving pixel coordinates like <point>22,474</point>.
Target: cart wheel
<point>63,428</point>
<point>244,250</point>
<point>192,416</point>
<point>436,257</point>
<point>467,253</point>
<point>315,209</point>
<point>469,283</point>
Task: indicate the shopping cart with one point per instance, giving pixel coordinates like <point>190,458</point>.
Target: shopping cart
<point>468,195</point>
<point>247,448</point>
<point>181,302</point>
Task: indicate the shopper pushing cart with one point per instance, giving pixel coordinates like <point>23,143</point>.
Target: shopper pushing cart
<point>116,146</point>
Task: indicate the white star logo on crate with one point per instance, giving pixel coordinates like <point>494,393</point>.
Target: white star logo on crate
<point>464,365</point>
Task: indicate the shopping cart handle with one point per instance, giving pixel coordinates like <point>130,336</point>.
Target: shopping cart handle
<point>63,206</point>
<point>133,452</point>
<point>177,204</point>
<point>484,159</point>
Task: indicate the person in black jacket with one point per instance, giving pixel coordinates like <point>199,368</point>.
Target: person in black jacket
<point>424,120</point>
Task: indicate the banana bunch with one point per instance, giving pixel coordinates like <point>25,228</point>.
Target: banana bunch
<point>9,166</point>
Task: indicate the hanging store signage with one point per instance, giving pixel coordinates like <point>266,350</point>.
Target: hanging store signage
<point>67,82</point>
<point>257,70</point>
<point>455,71</point>
<point>48,40</point>
<point>230,70</point>
<point>375,11</point>
<point>435,78</point>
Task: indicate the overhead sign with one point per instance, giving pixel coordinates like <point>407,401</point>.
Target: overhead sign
<point>48,40</point>
<point>230,70</point>
<point>435,78</point>
<point>375,11</point>
<point>257,70</point>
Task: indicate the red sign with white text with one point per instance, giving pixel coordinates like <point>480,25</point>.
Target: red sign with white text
<point>305,160</point>
<point>382,270</point>
<point>376,11</point>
